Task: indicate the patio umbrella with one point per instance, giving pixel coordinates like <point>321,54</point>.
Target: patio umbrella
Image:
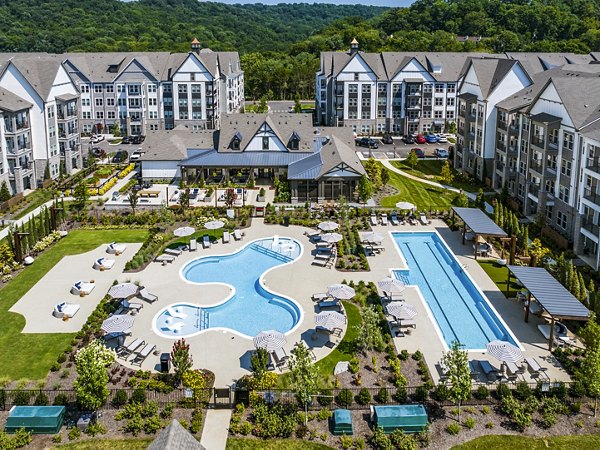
<point>330,320</point>
<point>214,225</point>
<point>405,205</point>
<point>123,290</point>
<point>401,309</point>
<point>328,226</point>
<point>184,231</point>
<point>391,285</point>
<point>118,323</point>
<point>270,340</point>
<point>373,237</point>
<point>332,238</point>
<point>504,351</point>
<point>341,291</point>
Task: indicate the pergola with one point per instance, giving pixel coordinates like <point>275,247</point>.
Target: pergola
<point>552,296</point>
<point>479,223</point>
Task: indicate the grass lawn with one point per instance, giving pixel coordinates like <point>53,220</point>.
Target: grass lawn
<point>32,354</point>
<point>524,442</point>
<point>35,199</point>
<point>424,196</point>
<point>272,444</point>
<point>107,444</point>
<point>499,274</point>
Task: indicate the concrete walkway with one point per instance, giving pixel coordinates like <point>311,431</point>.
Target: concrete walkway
<point>216,429</point>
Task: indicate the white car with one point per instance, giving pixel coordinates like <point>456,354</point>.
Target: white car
<point>442,139</point>
<point>96,138</point>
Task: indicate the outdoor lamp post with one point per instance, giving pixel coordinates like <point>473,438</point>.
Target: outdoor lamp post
<point>18,252</point>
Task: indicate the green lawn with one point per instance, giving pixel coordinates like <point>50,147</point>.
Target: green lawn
<point>272,444</point>
<point>524,442</point>
<point>35,199</point>
<point>424,196</point>
<point>107,444</point>
<point>31,355</point>
<point>499,274</point>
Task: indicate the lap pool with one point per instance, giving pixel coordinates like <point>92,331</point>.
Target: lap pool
<point>251,308</point>
<point>459,308</point>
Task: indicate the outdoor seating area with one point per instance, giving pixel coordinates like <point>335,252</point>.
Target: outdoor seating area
<point>115,249</point>
<point>82,288</point>
<point>65,310</point>
<point>104,264</point>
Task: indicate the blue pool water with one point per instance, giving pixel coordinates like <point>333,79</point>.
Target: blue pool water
<point>252,308</point>
<point>459,308</point>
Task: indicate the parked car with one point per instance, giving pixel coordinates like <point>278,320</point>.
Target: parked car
<point>125,140</point>
<point>120,156</point>
<point>367,142</point>
<point>420,139</point>
<point>96,138</point>
<point>431,139</point>
<point>418,151</point>
<point>137,139</point>
<point>387,139</point>
<point>98,152</point>
<point>442,139</point>
<point>135,156</point>
<point>441,152</point>
<point>408,139</point>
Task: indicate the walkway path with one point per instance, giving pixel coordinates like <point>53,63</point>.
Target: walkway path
<point>216,429</point>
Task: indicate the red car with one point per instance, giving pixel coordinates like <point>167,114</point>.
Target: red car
<point>420,139</point>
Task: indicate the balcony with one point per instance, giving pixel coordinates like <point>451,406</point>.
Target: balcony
<point>413,106</point>
<point>414,93</point>
<point>588,224</point>
<point>537,166</point>
<point>512,150</point>
<point>462,112</point>
<point>591,195</point>
<point>538,141</point>
<point>552,146</point>
<point>512,172</point>
<point>513,128</point>
<point>22,125</point>
<point>501,146</point>
<point>502,125</point>
<point>500,166</point>
<point>534,189</point>
<point>593,165</point>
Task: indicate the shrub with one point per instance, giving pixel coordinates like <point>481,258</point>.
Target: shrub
<point>401,395</point>
<point>61,400</point>
<point>522,391</point>
<point>41,399</point>
<point>577,389</point>
<point>470,423</point>
<point>120,398</point>
<point>245,428</point>
<point>421,393</point>
<point>417,356</point>
<point>138,396</point>
<point>21,398</point>
<point>354,365</point>
<point>380,441</point>
<point>55,367</point>
<point>489,425</point>
<point>275,420</point>
<point>485,410</point>
<point>404,355</point>
<point>196,423</point>
<point>481,393</point>
<point>502,390</point>
<point>57,439</point>
<point>453,428</point>
<point>363,397</point>
<point>346,441</point>
<point>383,396</point>
<point>167,411</point>
<point>95,428</point>
<point>403,441</point>
<point>21,438</point>
<point>440,393</point>
<point>516,412</point>
<point>324,414</point>
<point>344,398</point>
<point>74,433</point>
<point>559,391</point>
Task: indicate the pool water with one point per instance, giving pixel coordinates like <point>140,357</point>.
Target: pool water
<point>252,308</point>
<point>459,308</point>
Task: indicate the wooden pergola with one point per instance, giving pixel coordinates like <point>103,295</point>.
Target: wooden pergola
<point>481,225</point>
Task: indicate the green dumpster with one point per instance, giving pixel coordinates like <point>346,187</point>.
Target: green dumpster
<point>341,422</point>
<point>36,419</point>
<point>408,418</point>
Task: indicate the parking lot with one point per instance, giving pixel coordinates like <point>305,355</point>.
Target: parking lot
<point>398,149</point>
<point>86,146</point>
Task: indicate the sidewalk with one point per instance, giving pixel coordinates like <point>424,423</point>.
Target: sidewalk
<point>216,429</point>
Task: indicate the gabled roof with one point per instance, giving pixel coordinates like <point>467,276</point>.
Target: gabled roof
<point>12,102</point>
<point>490,73</point>
<point>175,437</point>
<point>39,69</point>
<point>539,62</point>
<point>173,145</point>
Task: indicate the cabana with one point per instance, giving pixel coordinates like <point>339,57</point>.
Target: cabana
<point>36,419</point>
<point>408,418</point>
<point>552,296</point>
<point>480,224</point>
<point>341,422</point>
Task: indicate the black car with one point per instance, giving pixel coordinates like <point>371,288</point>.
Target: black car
<point>125,140</point>
<point>387,139</point>
<point>120,156</point>
<point>419,152</point>
<point>98,152</point>
<point>408,139</point>
<point>135,140</point>
<point>367,142</point>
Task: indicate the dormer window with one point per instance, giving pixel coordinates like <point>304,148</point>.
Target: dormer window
<point>113,68</point>
<point>265,143</point>
<point>294,142</point>
<point>235,142</point>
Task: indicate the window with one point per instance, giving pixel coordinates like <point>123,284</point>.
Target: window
<point>86,115</point>
<point>97,88</point>
<point>85,102</point>
<point>449,114</point>
<point>561,220</point>
<point>439,101</point>
<point>84,88</point>
<point>153,114</point>
<point>135,103</point>
<point>99,102</point>
<point>565,168</point>
<point>99,115</point>
<point>196,103</point>
<point>366,102</point>
<point>153,127</point>
<point>109,88</point>
<point>563,193</point>
<point>426,114</point>
<point>451,88</point>
<point>356,76</point>
<point>196,115</point>
<point>110,101</point>
<point>365,114</point>
<point>551,162</point>
<point>265,143</point>
<point>167,88</point>
<point>353,88</point>
<point>183,103</point>
<point>134,89</point>
<point>427,88</point>
<point>568,141</point>
<point>50,112</point>
<point>352,115</point>
<point>151,88</point>
<point>438,114</point>
<point>352,102</point>
<point>439,88</point>
<point>192,77</point>
<point>110,114</point>
<point>183,115</point>
<point>450,101</point>
<point>196,88</point>
<point>152,102</point>
<point>87,128</point>
<point>366,88</point>
<point>122,102</point>
<point>120,88</point>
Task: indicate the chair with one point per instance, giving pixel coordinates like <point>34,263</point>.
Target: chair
<point>193,245</point>
<point>488,369</point>
<point>280,357</point>
<point>115,248</point>
<point>176,314</point>
<point>140,357</point>
<point>82,288</point>
<point>324,256</point>
<point>131,306</point>
<point>124,352</point>
<point>237,235</point>
<point>164,259</point>
<point>329,305</point>
<point>320,297</point>
<point>405,323</point>
<point>423,219</point>
<point>534,367</point>
<point>226,237</point>
<point>145,295</point>
<point>374,220</point>
<point>205,241</point>
<point>194,193</point>
<point>104,264</point>
<point>313,233</point>
<point>384,219</point>
<point>172,251</point>
<point>65,309</point>
<point>512,370</point>
<point>394,218</point>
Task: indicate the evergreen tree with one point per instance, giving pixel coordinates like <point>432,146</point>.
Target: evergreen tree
<point>582,290</point>
<point>480,200</point>
<point>4,192</point>
<point>570,276</point>
<point>515,222</point>
<point>446,174</point>
<point>500,215</point>
<point>297,105</point>
<point>504,193</point>
<point>412,160</point>
<point>496,209</point>
<point>47,172</point>
<point>526,239</point>
<point>575,285</point>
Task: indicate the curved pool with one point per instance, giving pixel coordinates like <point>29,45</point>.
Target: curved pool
<point>251,308</point>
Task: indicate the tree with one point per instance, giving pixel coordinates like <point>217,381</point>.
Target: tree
<point>262,107</point>
<point>451,127</point>
<point>133,198</point>
<point>80,195</point>
<point>91,363</point>
<point>537,251</point>
<point>446,174</point>
<point>456,361</point>
<point>504,194</point>
<point>365,189</point>
<point>373,169</point>
<point>115,129</point>
<point>4,192</point>
<point>184,198</point>
<point>304,375</point>
<point>258,363</point>
<point>385,176</point>
<point>297,104</point>
<point>480,199</point>
<point>412,160</point>
<point>181,359</point>
<point>47,172</point>
<point>230,196</point>
<point>461,200</point>
<point>589,372</point>
<point>369,332</point>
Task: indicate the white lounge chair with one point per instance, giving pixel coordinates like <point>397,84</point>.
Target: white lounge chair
<point>131,306</point>
<point>140,357</point>
<point>226,237</point>
<point>423,219</point>
<point>384,219</point>
<point>176,314</point>
<point>193,245</point>
<point>115,249</point>
<point>164,259</point>
<point>206,241</point>
<point>173,251</point>
<point>534,367</point>
<point>174,327</point>
<point>104,264</point>
<point>145,295</point>
<point>82,288</point>
<point>237,235</point>
<point>65,309</point>
<point>374,220</point>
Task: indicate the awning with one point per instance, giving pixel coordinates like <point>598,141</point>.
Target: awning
<point>479,222</point>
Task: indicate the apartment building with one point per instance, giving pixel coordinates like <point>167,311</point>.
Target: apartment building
<point>142,92</point>
<point>39,131</point>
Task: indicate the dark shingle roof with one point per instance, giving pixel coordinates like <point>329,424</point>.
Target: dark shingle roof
<point>175,437</point>
<point>12,102</point>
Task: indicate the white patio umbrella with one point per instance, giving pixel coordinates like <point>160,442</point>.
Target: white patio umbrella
<point>184,231</point>
<point>118,323</point>
<point>401,309</point>
<point>328,226</point>
<point>123,290</point>
<point>391,285</point>
<point>504,351</point>
<point>330,320</point>
<point>332,238</point>
<point>373,237</point>
<point>405,205</point>
<point>270,340</point>
<point>341,291</point>
<point>214,225</point>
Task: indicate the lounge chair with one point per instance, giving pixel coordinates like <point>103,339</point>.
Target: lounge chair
<point>394,219</point>
<point>323,245</point>
<point>104,264</point>
<point>226,237</point>
<point>164,259</point>
<point>323,262</point>
<point>193,245</point>
<point>329,305</point>
<point>82,288</point>
<point>280,357</point>
<point>176,314</point>
<point>374,220</point>
<point>65,309</point>
<point>206,241</point>
<point>473,368</point>
<point>406,323</point>
<point>320,297</point>
<point>324,256</point>
<point>384,219</point>
<point>312,234</point>
<point>115,249</point>
<point>140,357</point>
<point>423,219</point>
<point>175,197</point>
<point>237,235</point>
<point>145,295</point>
<point>174,327</point>
<point>131,306</point>
<point>173,251</point>
<point>534,367</point>
<point>488,369</point>
<point>512,370</point>
<point>194,193</point>
<point>124,352</point>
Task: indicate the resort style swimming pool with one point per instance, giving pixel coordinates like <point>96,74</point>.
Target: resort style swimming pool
<point>251,308</point>
<point>459,308</point>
